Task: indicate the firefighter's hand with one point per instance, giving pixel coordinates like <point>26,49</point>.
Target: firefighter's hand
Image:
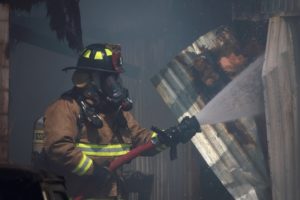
<point>187,128</point>
<point>102,173</point>
<point>180,133</point>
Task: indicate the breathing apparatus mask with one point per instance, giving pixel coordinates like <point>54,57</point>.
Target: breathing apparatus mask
<point>103,93</point>
<point>110,91</point>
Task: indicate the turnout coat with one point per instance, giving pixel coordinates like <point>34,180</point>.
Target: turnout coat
<point>73,151</point>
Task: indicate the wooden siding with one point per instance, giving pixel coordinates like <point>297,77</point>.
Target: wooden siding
<point>247,10</point>
<point>281,7</point>
<point>4,82</point>
<point>281,78</point>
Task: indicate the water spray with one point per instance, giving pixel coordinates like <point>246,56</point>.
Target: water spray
<point>242,97</point>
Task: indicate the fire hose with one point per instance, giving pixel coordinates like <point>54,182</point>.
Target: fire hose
<point>171,137</point>
<point>130,155</point>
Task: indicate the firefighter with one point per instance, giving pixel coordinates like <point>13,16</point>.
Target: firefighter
<point>90,125</point>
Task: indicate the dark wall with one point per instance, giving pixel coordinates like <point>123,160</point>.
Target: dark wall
<point>36,80</point>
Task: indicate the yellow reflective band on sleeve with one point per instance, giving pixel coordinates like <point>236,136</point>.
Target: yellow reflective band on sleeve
<point>104,150</point>
<point>154,134</point>
<point>87,54</point>
<point>83,166</point>
<point>159,147</point>
<point>154,138</point>
<point>108,52</point>
<point>98,55</point>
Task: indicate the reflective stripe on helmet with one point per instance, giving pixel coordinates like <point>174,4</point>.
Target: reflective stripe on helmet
<point>83,166</point>
<point>108,52</point>
<point>98,55</point>
<point>87,53</point>
<point>104,150</point>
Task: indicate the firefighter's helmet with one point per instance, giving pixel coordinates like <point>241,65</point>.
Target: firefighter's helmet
<point>100,57</point>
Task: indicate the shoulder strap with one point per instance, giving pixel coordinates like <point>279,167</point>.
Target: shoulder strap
<point>75,94</point>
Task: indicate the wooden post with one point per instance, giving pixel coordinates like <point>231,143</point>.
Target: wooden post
<point>4,82</point>
<point>281,76</point>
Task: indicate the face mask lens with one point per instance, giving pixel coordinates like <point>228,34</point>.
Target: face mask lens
<point>113,89</point>
<point>96,80</point>
<point>110,85</point>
